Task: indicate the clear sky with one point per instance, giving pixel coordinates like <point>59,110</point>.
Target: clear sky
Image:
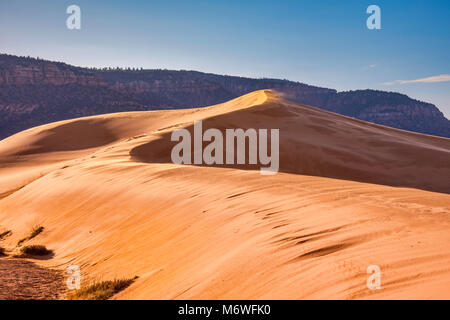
<point>319,42</point>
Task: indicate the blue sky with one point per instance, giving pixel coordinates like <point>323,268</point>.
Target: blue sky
<point>324,43</point>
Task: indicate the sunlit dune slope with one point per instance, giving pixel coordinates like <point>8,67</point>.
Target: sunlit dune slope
<point>349,194</point>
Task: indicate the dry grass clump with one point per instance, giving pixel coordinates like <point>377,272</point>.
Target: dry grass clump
<point>34,232</point>
<point>5,234</point>
<point>101,290</point>
<point>33,250</point>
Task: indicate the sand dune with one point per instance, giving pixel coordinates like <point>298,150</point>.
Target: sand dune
<point>349,194</point>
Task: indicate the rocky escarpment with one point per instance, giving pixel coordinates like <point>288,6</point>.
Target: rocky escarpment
<point>413,117</point>
<point>19,71</point>
<point>389,109</point>
<point>35,91</point>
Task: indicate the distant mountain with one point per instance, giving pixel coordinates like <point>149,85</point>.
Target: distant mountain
<point>35,92</point>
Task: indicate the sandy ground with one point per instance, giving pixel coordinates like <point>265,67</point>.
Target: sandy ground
<point>349,195</point>
<point>24,280</point>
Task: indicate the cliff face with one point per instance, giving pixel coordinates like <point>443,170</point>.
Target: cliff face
<point>34,92</point>
<point>19,71</point>
<point>389,109</point>
<point>46,74</point>
<point>414,117</point>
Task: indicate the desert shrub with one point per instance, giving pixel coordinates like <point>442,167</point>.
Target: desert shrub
<point>101,290</point>
<point>5,234</point>
<point>22,241</point>
<point>34,232</point>
<point>34,250</point>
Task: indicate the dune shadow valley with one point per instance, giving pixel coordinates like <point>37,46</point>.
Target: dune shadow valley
<point>102,193</point>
